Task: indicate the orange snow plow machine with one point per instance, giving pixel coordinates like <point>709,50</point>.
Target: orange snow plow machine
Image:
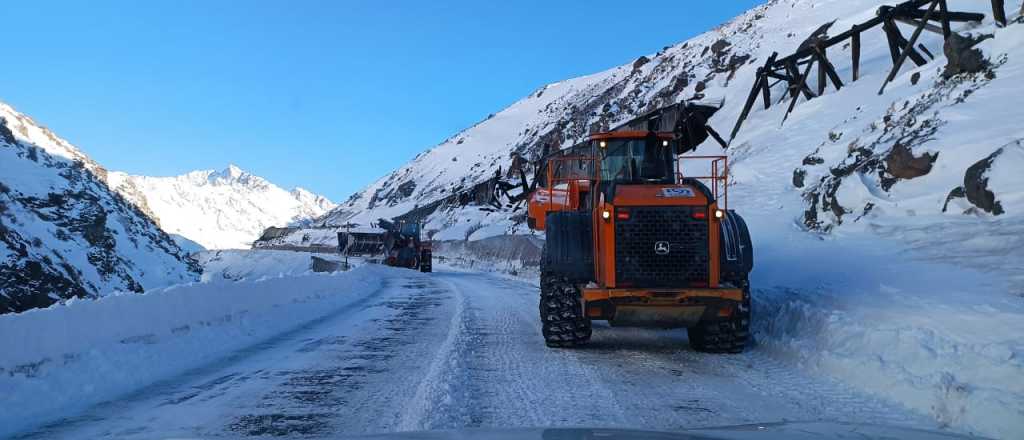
<point>634,240</point>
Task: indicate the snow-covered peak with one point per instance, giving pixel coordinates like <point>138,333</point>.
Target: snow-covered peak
<point>221,209</point>
<point>231,175</point>
<point>232,171</point>
<point>234,175</point>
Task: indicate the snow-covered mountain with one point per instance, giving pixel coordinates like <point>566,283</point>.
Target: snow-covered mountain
<point>64,233</point>
<point>838,148</point>
<point>219,209</point>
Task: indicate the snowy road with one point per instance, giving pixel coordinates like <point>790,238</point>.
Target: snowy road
<point>454,350</point>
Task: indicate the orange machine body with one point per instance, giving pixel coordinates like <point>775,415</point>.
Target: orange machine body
<point>577,187</point>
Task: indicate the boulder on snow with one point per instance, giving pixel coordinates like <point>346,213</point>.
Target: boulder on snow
<point>813,159</point>
<point>962,56</point>
<point>640,62</point>
<point>720,46</point>
<point>901,162</point>
<point>680,83</point>
<point>734,62</point>
<point>798,177</point>
<point>976,185</point>
<point>407,188</point>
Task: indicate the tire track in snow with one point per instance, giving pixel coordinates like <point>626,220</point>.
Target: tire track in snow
<point>643,377</point>
<point>500,360</point>
<point>435,388</point>
<point>516,377</point>
<point>361,379</point>
<point>653,391</point>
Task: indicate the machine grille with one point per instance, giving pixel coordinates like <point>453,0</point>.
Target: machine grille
<point>641,259</point>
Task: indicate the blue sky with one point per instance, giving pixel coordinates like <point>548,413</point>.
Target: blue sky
<point>328,95</point>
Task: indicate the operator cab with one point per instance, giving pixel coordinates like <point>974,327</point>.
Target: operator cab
<point>640,158</point>
<point>635,157</point>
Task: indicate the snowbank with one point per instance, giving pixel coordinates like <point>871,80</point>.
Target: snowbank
<point>943,340</point>
<point>63,359</point>
<point>516,255</point>
<point>912,304</point>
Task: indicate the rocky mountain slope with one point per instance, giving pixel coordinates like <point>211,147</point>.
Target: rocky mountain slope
<point>64,233</point>
<point>219,209</point>
<point>850,136</point>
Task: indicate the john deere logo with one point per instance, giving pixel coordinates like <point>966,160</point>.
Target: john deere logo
<point>662,248</point>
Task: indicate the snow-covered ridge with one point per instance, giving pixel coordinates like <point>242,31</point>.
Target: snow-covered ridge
<point>64,233</point>
<point>23,128</point>
<point>222,209</point>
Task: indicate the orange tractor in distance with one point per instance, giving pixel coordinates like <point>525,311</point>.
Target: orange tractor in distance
<point>633,240</point>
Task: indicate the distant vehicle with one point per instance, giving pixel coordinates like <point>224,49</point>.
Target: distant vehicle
<point>633,240</point>
<point>397,243</point>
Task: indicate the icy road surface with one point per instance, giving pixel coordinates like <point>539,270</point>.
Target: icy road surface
<point>452,350</point>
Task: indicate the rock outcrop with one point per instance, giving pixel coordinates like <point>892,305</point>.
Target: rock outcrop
<point>64,233</point>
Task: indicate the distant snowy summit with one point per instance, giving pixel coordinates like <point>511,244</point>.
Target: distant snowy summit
<point>225,209</point>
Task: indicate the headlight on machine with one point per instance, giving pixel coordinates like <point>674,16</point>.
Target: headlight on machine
<point>719,214</point>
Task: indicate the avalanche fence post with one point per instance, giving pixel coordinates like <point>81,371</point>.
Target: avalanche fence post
<point>802,80</point>
<point>909,47</point>
<point>999,12</point>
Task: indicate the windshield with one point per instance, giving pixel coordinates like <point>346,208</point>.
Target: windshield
<point>572,168</point>
<point>635,160</point>
<point>410,228</point>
